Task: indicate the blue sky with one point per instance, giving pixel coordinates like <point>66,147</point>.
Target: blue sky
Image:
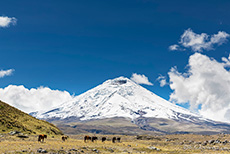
<point>75,45</point>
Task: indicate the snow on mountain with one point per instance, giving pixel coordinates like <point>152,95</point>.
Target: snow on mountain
<point>119,97</point>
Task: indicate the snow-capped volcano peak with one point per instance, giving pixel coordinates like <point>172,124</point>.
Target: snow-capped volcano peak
<point>119,97</point>
<point>119,81</point>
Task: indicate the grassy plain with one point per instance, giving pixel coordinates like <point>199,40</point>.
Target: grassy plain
<point>172,144</point>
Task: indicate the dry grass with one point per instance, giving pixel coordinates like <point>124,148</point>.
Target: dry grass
<point>12,119</point>
<point>172,144</point>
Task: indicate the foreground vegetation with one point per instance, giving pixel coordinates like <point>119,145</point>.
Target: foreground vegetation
<point>173,144</point>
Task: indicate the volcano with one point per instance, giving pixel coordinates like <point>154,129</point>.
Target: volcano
<point>121,99</point>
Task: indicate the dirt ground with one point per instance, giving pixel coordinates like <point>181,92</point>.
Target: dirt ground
<point>172,144</point>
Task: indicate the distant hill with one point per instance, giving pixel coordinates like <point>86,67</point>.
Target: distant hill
<point>12,119</point>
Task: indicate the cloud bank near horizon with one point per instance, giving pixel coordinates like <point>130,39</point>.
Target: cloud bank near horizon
<point>205,86</point>
<point>199,42</point>
<point>34,99</point>
<point>140,79</point>
<point>7,21</point>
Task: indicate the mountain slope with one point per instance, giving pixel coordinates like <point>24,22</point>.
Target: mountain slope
<point>119,97</point>
<point>123,98</point>
<point>12,119</point>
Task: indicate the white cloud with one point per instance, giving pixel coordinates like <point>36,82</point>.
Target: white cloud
<point>226,61</point>
<point>162,80</point>
<point>4,73</point>
<point>193,40</point>
<point>6,21</point>
<point>30,100</point>
<point>205,86</point>
<point>174,47</point>
<point>140,79</point>
<point>200,42</point>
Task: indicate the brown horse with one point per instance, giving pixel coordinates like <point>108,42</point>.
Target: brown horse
<point>64,138</point>
<point>86,138</point>
<point>41,137</point>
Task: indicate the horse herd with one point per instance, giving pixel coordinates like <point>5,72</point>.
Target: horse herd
<point>42,137</point>
<point>103,139</point>
<point>87,138</point>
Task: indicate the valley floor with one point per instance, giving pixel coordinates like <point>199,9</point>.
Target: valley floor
<point>172,144</point>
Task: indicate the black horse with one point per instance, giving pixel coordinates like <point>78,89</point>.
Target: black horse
<point>114,139</point>
<point>64,138</point>
<point>103,139</point>
<point>94,138</point>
